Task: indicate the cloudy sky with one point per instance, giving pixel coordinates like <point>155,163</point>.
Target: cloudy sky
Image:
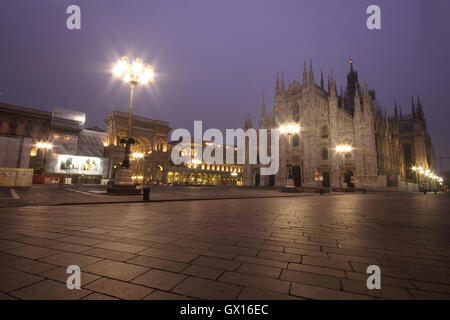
<point>215,58</point>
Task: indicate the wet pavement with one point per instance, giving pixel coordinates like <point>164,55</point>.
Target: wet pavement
<point>76,194</point>
<point>296,247</point>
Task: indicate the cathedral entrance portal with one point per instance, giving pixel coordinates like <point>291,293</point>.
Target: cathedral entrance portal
<point>326,180</point>
<point>257,179</point>
<point>348,179</point>
<point>297,175</point>
<point>272,180</point>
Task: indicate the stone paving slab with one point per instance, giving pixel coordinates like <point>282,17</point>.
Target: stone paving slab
<point>309,247</point>
<point>119,289</point>
<point>49,290</point>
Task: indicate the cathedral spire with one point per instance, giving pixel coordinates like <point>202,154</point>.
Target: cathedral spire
<point>342,98</point>
<point>322,85</point>
<point>329,85</point>
<point>277,86</point>
<point>385,117</point>
<point>263,111</point>
<point>262,118</point>
<point>305,76</point>
<point>357,101</point>
<point>332,85</point>
<point>352,85</point>
<point>419,107</point>
<point>283,87</point>
<point>395,108</point>
<point>413,108</point>
<point>367,103</point>
<point>365,89</point>
<point>311,74</point>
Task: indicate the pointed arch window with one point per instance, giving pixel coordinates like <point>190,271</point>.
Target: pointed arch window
<point>295,140</point>
<point>324,154</point>
<point>324,132</point>
<point>296,112</point>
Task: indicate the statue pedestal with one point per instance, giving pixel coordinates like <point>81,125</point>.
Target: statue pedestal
<point>124,178</point>
<point>124,184</point>
<point>290,183</point>
<point>290,186</point>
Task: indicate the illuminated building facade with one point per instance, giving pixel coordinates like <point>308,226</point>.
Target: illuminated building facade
<point>346,139</point>
<point>201,173</point>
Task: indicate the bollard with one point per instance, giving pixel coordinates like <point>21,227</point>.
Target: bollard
<point>321,191</point>
<point>364,191</point>
<point>146,193</point>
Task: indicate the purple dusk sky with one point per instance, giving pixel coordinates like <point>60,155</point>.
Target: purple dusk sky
<point>214,59</point>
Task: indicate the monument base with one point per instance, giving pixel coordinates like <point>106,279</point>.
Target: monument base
<point>290,186</point>
<point>124,184</point>
<point>124,189</point>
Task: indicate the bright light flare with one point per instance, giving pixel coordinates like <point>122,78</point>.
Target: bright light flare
<point>137,67</point>
<point>120,68</point>
<point>146,76</point>
<point>133,72</point>
<point>44,145</point>
<point>291,128</point>
<point>343,148</point>
<point>138,155</point>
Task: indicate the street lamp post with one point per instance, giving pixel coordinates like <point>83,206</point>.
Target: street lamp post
<point>418,170</point>
<point>428,177</point>
<point>289,129</point>
<point>132,73</point>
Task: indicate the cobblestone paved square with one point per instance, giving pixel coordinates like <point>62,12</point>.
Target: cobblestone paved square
<point>300,247</point>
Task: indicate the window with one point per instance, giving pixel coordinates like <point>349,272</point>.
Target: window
<point>296,112</point>
<point>295,140</point>
<point>324,154</point>
<point>348,155</point>
<point>324,132</point>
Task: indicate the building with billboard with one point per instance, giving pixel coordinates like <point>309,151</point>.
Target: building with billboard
<point>60,149</point>
<point>56,145</point>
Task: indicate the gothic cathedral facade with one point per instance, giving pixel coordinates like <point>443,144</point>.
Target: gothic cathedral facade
<point>346,139</point>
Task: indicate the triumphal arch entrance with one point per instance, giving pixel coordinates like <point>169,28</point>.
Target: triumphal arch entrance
<point>149,156</point>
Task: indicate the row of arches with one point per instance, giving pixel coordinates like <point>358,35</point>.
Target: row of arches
<point>145,146</point>
<point>202,178</point>
<point>23,129</point>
